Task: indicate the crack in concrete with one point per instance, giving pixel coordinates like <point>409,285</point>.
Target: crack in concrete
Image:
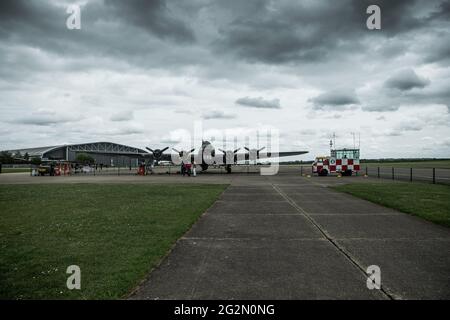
<point>332,241</point>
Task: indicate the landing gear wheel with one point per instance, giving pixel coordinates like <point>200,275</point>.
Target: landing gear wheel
<point>228,168</point>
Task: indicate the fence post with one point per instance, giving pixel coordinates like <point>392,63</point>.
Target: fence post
<point>301,170</point>
<point>378,172</point>
<point>410,174</point>
<point>367,171</point>
<point>434,175</point>
<point>393,175</point>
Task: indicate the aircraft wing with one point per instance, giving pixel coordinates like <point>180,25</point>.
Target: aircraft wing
<point>282,154</point>
<point>164,156</point>
<point>264,155</point>
<point>241,156</point>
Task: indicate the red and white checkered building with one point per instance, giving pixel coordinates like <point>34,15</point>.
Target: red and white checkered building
<point>343,161</point>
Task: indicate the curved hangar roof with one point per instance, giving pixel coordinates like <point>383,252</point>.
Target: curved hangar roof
<point>94,147</point>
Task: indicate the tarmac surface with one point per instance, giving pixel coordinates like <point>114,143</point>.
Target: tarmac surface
<point>291,237</point>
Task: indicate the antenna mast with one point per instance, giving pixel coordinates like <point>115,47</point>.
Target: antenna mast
<point>334,140</point>
<point>257,139</point>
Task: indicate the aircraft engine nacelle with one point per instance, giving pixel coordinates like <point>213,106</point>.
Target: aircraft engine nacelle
<point>208,154</point>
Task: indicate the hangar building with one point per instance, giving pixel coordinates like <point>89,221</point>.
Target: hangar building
<point>106,153</point>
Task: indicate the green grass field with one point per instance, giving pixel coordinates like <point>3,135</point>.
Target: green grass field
<point>15,170</point>
<point>116,233</point>
<point>441,164</point>
<point>430,202</point>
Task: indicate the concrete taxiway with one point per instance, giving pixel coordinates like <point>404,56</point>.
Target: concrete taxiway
<point>288,237</point>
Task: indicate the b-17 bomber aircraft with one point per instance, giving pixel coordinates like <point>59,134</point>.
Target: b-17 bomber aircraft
<point>207,156</point>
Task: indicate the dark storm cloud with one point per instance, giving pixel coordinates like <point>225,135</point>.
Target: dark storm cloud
<point>292,31</point>
<point>153,16</point>
<point>259,102</point>
<point>151,34</point>
<point>443,11</point>
<point>406,80</point>
<point>113,34</point>
<point>440,52</point>
<point>21,13</point>
<point>388,99</point>
<point>31,22</point>
<point>337,99</point>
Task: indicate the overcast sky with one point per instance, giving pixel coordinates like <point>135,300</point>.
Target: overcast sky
<point>142,72</point>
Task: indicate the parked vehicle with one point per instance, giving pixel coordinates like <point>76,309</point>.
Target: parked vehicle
<point>46,169</point>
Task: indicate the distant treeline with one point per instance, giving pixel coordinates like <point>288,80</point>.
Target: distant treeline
<point>296,162</point>
<point>17,158</point>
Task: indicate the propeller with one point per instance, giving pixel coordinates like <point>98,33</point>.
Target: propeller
<point>229,154</point>
<point>157,153</point>
<point>182,152</point>
<point>257,151</point>
<point>230,151</point>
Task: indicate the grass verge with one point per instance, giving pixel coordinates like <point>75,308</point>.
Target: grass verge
<point>116,233</point>
<point>430,202</point>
